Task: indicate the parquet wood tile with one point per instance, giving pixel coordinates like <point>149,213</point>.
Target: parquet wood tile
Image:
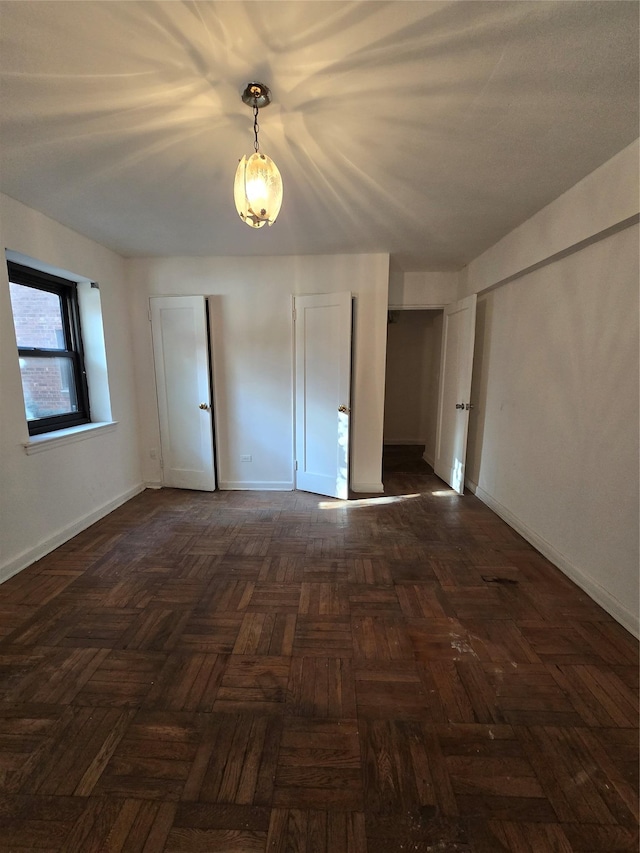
<point>600,839</point>
<point>391,690</point>
<point>319,764</point>
<point>601,698</point>
<point>323,599</point>
<point>608,642</point>
<point>187,682</point>
<point>448,699</point>
<point>528,837</point>
<point>26,736</point>
<point>154,758</point>
<point>235,761</point>
<point>362,570</point>
<point>322,688</point>
<point>323,569</point>
<point>455,573</point>
<point>404,771</point>
<point>280,570</point>
<point>122,679</point>
<point>213,634</point>
<point>232,828</point>
<point>322,637</point>
<point>310,830</point>
<point>255,671</point>
<point>59,676</point>
<point>370,600</point>
<point>531,696</point>
<point>419,601</point>
<point>275,597</point>
<point>439,639</point>
<point>381,638</point>
<point>13,616</point>
<point>122,826</point>
<point>45,626</point>
<point>266,634</point>
<point>501,642</point>
<point>101,628</point>
<point>485,703</point>
<point>74,767</point>
<point>238,568</point>
<point>254,684</point>
<point>577,788</point>
<point>37,823</point>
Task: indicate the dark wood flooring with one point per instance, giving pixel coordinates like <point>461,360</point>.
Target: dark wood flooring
<point>250,671</point>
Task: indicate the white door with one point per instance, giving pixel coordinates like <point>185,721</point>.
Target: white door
<point>458,335</point>
<point>181,356</point>
<point>323,384</point>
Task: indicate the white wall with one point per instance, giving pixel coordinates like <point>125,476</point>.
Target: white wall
<point>601,201</point>
<point>553,439</point>
<point>253,357</point>
<point>423,289</point>
<point>413,359</point>
<point>430,402</point>
<point>48,497</point>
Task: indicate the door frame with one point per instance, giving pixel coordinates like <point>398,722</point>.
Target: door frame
<point>210,384</point>
<point>463,378</point>
<point>347,402</point>
<point>429,306</point>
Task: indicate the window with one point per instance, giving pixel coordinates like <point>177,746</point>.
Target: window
<point>47,323</point>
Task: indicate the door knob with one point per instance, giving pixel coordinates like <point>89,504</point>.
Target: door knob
<point>470,406</point>
<point>205,407</point>
<point>459,405</point>
<point>344,410</point>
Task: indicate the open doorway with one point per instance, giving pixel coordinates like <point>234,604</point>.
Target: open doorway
<point>414,341</point>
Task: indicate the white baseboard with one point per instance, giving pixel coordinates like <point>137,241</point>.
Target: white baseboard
<point>375,488</point>
<point>26,558</point>
<point>287,486</point>
<point>411,441</point>
<point>428,459</point>
<point>256,485</point>
<point>627,618</point>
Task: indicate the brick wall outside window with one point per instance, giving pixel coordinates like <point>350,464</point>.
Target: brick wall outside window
<point>37,321</point>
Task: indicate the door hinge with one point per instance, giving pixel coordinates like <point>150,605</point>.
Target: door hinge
<point>149,315</point>
<point>296,464</point>
<point>294,315</point>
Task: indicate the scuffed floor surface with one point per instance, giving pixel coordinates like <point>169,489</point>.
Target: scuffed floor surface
<point>251,671</point>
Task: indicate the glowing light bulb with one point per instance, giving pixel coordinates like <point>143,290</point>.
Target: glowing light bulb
<point>257,190</point>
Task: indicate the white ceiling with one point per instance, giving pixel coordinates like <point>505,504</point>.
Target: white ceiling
<point>424,129</point>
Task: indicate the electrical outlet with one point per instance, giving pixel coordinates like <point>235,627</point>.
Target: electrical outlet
<point>246,457</point>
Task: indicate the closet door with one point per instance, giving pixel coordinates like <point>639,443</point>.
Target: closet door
<point>181,356</point>
<point>456,366</point>
<point>323,382</point>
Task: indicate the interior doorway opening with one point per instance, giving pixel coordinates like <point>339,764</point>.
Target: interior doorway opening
<point>414,343</point>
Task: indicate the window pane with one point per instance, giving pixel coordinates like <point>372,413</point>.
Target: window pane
<point>37,317</point>
<point>49,387</point>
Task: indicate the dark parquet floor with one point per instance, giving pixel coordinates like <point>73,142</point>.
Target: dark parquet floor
<point>251,672</point>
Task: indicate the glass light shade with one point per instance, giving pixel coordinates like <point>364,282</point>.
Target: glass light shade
<point>257,190</point>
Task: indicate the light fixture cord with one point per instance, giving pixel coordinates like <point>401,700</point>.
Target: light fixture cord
<point>255,124</point>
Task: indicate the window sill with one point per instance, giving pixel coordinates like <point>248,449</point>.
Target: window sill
<point>49,440</point>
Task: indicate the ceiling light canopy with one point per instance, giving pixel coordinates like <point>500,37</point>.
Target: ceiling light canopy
<point>257,189</point>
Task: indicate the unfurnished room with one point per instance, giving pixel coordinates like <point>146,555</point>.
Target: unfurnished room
<point>319,426</point>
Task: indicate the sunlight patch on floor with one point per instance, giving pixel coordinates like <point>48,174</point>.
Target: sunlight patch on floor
<point>335,504</point>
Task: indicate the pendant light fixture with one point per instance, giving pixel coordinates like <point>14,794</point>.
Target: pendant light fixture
<point>257,189</point>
